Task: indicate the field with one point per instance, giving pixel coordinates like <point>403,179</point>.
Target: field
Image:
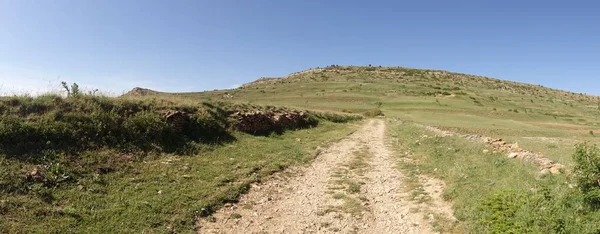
<point>152,189</point>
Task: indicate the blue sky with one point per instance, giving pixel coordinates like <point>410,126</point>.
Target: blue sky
<point>200,45</point>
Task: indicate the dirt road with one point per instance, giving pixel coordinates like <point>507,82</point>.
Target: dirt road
<point>353,186</point>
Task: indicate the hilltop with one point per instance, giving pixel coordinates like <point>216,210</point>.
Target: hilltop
<point>357,89</point>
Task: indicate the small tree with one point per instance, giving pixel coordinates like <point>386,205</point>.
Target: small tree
<point>73,91</point>
<point>66,87</point>
<point>587,172</point>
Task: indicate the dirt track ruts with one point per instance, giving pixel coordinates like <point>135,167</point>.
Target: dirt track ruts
<point>301,200</point>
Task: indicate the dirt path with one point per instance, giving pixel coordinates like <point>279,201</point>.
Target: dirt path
<point>352,187</point>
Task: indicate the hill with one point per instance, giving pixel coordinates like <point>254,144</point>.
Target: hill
<point>452,101</point>
<point>490,193</point>
<point>153,161</point>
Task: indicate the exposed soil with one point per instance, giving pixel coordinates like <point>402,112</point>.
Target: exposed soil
<point>352,187</point>
<point>557,124</point>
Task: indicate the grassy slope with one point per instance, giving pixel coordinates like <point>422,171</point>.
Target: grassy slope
<point>130,181</point>
<point>163,194</point>
<point>490,193</point>
<point>464,103</point>
<point>517,112</point>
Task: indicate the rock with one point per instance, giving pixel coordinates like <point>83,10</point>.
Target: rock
<point>513,155</point>
<point>177,119</point>
<point>487,140</point>
<point>35,175</point>
<point>545,171</point>
<point>485,151</point>
<point>80,187</point>
<point>556,168</point>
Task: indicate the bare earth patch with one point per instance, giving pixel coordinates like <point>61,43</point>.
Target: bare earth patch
<point>352,187</point>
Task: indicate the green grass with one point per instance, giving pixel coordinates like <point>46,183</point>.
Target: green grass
<point>140,177</point>
<point>129,200</point>
<point>104,165</point>
<point>540,119</point>
<point>494,194</point>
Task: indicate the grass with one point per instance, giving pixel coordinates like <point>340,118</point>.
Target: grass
<point>111,188</point>
<point>540,119</point>
<point>491,193</point>
<point>137,177</point>
<point>346,184</point>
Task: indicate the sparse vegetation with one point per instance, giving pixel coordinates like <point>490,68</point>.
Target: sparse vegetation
<point>374,113</point>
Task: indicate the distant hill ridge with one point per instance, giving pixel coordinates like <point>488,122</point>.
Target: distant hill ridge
<point>336,73</point>
<point>137,91</point>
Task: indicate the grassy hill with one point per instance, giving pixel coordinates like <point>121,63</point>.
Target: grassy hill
<point>96,164</point>
<point>102,164</point>
<point>490,193</point>
<point>518,112</point>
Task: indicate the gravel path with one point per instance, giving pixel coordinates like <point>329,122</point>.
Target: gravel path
<point>320,198</point>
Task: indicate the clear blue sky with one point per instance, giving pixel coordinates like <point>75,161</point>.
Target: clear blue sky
<point>202,45</point>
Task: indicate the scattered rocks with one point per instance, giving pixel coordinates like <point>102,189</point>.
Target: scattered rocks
<point>260,122</point>
<point>546,165</point>
<point>439,132</point>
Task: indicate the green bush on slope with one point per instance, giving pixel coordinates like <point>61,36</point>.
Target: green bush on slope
<point>552,208</point>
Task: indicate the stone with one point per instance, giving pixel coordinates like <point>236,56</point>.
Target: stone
<point>485,151</point>
<point>556,168</point>
<point>513,155</point>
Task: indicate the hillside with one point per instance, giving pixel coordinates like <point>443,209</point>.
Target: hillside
<point>490,191</point>
<point>452,101</point>
<point>151,161</point>
<point>361,86</point>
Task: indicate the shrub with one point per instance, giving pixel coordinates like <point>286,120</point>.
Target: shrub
<point>378,104</point>
<point>587,172</point>
<point>336,118</point>
<point>373,113</point>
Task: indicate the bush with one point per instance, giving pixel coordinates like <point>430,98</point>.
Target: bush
<point>373,113</point>
<point>587,172</point>
<point>336,118</point>
<point>71,125</point>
